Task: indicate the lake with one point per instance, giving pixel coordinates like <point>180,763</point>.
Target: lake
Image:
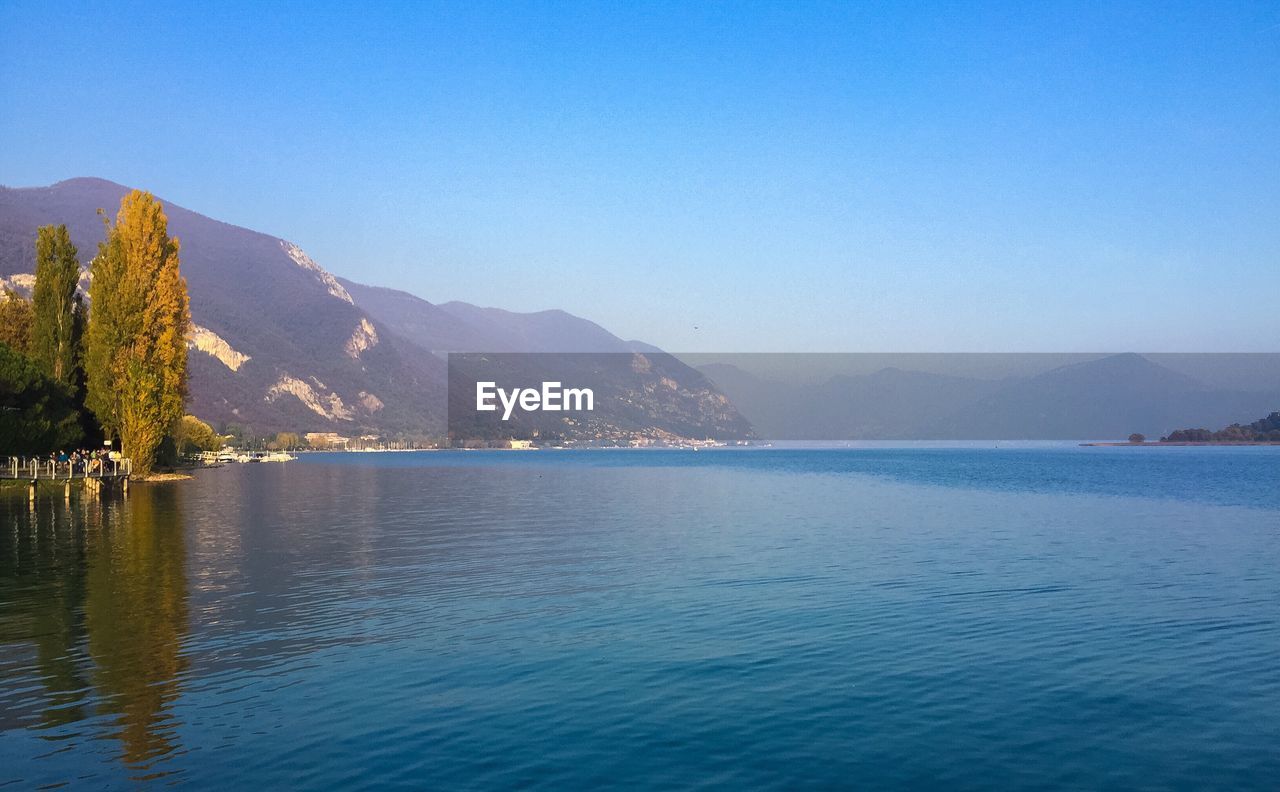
<point>1046,617</point>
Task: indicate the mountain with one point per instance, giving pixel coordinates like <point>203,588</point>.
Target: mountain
<point>277,341</point>
<point>462,327</point>
<point>888,404</point>
<point>639,399</point>
<point>643,395</point>
<point>892,402</point>
<point>1101,398</point>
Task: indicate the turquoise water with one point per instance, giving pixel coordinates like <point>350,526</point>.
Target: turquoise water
<point>1044,617</point>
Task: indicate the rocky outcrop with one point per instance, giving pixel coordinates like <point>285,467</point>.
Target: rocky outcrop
<point>314,395</point>
<point>307,263</point>
<point>202,339</point>
<point>364,337</point>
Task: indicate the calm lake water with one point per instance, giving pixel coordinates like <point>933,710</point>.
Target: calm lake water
<point>1052,617</point>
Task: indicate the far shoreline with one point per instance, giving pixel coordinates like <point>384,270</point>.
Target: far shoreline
<point>1190,443</point>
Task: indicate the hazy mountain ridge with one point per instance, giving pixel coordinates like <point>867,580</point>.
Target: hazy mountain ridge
<point>1105,398</point>
<point>462,327</point>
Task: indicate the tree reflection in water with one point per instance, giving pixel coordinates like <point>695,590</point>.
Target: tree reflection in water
<point>99,589</point>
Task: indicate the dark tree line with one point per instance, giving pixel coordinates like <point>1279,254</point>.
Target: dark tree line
<point>1261,431</point>
<point>42,382</point>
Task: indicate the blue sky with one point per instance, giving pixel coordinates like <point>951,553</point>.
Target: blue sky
<point>708,176</point>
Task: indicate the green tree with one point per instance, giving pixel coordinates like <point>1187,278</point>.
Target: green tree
<point>136,357</point>
<point>16,318</point>
<point>54,340</point>
<point>37,415</point>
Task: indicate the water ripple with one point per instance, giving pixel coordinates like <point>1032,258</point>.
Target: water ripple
<point>675,621</point>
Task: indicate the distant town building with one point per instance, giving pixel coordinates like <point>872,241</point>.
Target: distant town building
<point>327,440</point>
<point>522,445</point>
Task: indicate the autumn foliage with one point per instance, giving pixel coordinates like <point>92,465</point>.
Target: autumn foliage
<point>136,356</point>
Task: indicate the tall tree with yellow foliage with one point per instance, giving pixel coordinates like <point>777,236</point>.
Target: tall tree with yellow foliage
<point>136,360</point>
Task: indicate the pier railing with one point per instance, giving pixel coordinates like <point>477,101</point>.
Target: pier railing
<point>35,469</point>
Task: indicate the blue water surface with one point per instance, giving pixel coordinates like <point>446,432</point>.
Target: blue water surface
<point>1048,617</point>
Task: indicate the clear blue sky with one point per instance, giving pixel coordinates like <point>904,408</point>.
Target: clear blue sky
<point>719,177</point>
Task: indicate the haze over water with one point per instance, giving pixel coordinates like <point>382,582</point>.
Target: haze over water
<point>1048,617</point>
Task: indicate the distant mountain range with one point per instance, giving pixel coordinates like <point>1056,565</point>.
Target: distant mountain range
<point>280,343</point>
<point>1104,398</point>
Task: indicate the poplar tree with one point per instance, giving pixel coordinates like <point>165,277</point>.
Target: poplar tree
<point>54,336</point>
<point>136,356</point>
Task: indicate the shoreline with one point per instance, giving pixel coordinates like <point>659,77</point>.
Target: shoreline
<point>1190,443</point>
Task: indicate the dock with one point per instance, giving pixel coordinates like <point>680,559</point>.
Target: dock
<point>94,473</point>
